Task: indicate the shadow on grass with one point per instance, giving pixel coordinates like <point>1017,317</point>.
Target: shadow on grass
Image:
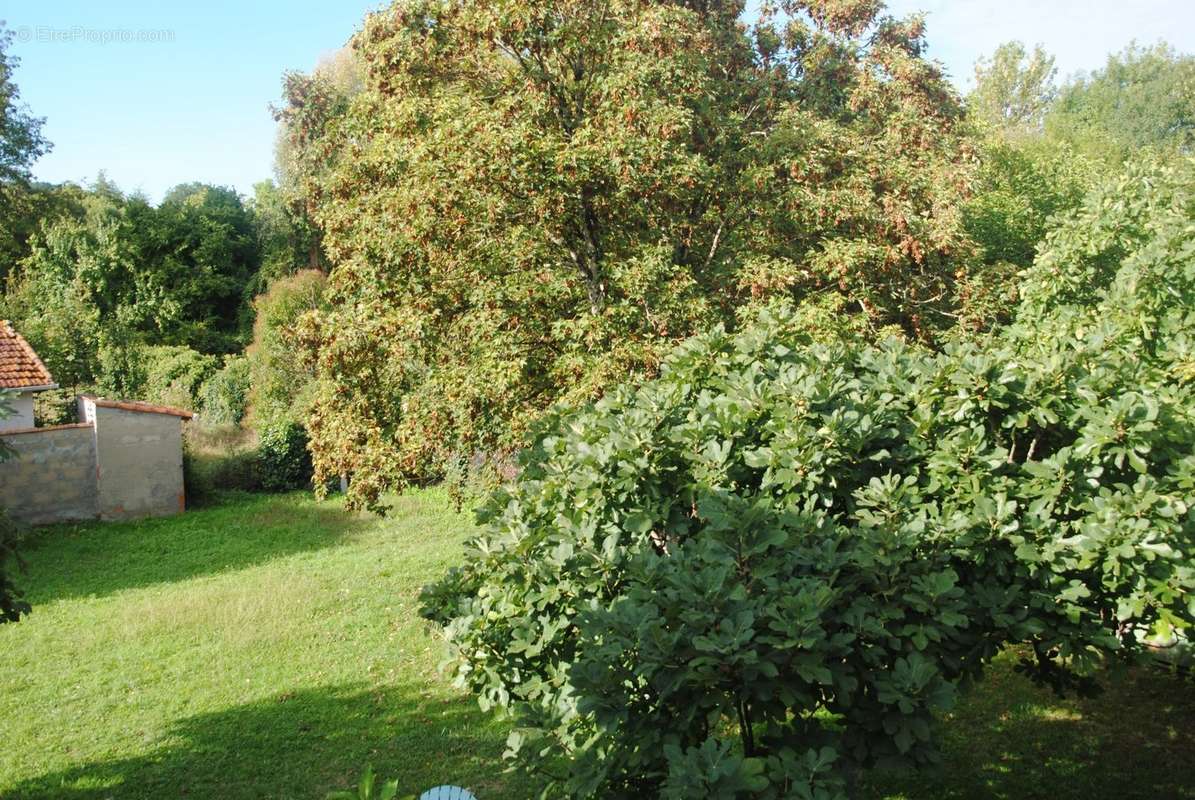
<point>303,745</point>
<point>1012,740</point>
<point>1009,740</point>
<point>97,559</point>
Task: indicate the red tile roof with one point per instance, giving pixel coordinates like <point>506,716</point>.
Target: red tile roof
<point>20,368</point>
<point>144,408</point>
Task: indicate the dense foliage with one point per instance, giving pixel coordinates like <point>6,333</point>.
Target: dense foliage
<point>285,240</point>
<point>1143,98</point>
<point>225,395</point>
<point>132,300</point>
<point>281,376</point>
<point>1020,186</point>
<point>172,274</point>
<point>282,459</point>
<point>11,604</point>
<point>770,567</point>
<point>529,202</point>
<point>21,140</point>
<point>176,375</point>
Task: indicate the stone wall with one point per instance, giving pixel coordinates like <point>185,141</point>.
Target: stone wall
<point>140,463</point>
<point>124,461</point>
<point>53,478</point>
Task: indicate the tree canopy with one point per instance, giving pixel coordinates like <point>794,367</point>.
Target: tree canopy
<point>177,272</point>
<point>529,202</point>
<point>21,140</point>
<point>1143,98</point>
<point>1014,89</point>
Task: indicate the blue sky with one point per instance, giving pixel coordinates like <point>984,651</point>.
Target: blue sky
<point>192,102</point>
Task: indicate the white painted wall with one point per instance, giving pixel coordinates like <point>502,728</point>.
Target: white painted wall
<point>22,404</point>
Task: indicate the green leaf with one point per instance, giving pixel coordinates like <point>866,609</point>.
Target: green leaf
<point>639,522</point>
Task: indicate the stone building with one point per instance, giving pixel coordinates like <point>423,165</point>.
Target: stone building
<point>122,460</point>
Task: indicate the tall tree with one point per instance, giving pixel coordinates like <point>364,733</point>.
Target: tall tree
<point>199,259</point>
<point>531,201</point>
<point>1023,179</point>
<point>21,143</point>
<point>21,140</point>
<point>1014,89</point>
<point>310,102</point>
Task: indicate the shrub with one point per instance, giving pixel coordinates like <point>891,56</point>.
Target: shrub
<point>281,379</point>
<point>768,569</point>
<point>221,458</point>
<point>225,394</point>
<point>56,407</point>
<point>120,369</point>
<point>206,476</point>
<point>174,375</point>
<point>12,606</point>
<point>283,461</point>
<point>216,459</point>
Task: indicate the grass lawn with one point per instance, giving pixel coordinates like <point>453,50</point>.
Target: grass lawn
<point>270,647</point>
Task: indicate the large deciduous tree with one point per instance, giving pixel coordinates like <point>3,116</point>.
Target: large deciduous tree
<point>528,202</point>
<point>198,264</point>
<point>21,140</point>
<point>286,242</point>
<point>21,143</point>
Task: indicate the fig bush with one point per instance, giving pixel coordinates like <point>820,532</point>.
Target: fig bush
<point>772,566</point>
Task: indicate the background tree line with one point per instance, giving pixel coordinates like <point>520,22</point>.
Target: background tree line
<point>185,302</point>
<point>111,275</point>
<point>125,296</point>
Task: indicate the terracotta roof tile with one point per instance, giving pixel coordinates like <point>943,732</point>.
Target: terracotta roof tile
<point>20,368</point>
<point>144,408</point>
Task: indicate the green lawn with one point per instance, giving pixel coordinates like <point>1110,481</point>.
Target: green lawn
<point>270,647</point>
<point>266,648</point>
